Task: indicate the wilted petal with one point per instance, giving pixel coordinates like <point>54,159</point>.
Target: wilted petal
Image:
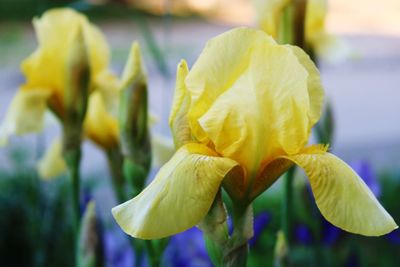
<point>25,114</point>
<point>52,164</point>
<point>178,119</point>
<point>342,196</point>
<point>179,196</point>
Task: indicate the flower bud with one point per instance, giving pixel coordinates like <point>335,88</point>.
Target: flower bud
<point>133,115</point>
<point>89,249</point>
<point>76,90</point>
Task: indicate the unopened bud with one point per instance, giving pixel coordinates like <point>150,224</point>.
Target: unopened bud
<point>89,250</point>
<point>133,119</point>
<point>76,90</point>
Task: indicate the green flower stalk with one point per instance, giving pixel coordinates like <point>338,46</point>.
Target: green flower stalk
<point>133,116</point>
<point>76,92</point>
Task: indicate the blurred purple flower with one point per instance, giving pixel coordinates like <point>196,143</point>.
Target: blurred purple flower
<point>118,252</point>
<point>330,233</point>
<point>364,169</point>
<point>303,234</point>
<point>187,249</point>
<point>260,222</point>
<point>394,237</point>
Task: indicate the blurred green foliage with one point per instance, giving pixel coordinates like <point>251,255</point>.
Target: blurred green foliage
<point>35,225</point>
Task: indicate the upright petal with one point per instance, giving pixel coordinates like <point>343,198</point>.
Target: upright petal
<point>222,62</point>
<point>178,119</point>
<point>264,108</point>
<point>342,196</point>
<point>25,114</point>
<point>314,84</point>
<point>179,196</point>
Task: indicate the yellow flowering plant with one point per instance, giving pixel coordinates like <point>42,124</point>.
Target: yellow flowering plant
<point>241,116</point>
<point>46,70</point>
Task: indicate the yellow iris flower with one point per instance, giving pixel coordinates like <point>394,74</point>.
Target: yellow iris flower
<point>240,118</point>
<point>269,15</point>
<point>45,70</point>
<point>45,73</point>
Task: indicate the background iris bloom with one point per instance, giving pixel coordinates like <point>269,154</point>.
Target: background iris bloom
<point>269,16</point>
<point>45,72</point>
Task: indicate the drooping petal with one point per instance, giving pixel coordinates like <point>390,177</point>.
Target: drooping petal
<point>100,126</point>
<point>25,114</point>
<point>179,196</point>
<point>262,108</point>
<point>178,119</point>
<point>342,196</point>
<point>52,163</point>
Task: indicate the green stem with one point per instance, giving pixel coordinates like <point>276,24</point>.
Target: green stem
<point>154,259</point>
<point>286,26</point>
<point>115,163</point>
<point>73,159</point>
<point>288,205</point>
<point>235,255</point>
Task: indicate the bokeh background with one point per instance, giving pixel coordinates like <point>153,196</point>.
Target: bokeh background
<point>364,90</point>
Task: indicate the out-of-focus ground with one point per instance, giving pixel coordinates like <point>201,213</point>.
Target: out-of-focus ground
<point>364,91</point>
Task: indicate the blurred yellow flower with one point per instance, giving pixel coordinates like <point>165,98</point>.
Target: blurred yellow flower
<point>241,117</point>
<point>269,17</point>
<point>45,70</point>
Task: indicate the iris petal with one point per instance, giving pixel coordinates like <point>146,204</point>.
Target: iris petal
<point>314,85</point>
<point>25,114</point>
<point>222,61</point>
<point>255,104</point>
<point>55,30</point>
<point>179,196</point>
<point>52,164</point>
<point>178,120</point>
<point>100,126</point>
<point>342,196</point>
